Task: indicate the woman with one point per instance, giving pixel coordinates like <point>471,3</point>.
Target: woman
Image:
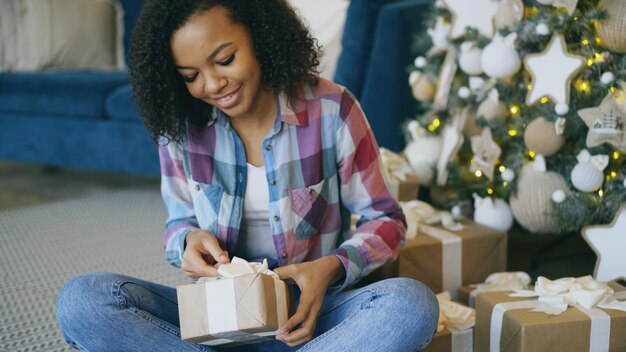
<point>260,158</point>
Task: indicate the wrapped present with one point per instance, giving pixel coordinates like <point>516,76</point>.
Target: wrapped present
<point>247,303</point>
<point>568,314</point>
<point>455,331</point>
<point>399,175</point>
<point>447,255</point>
<point>505,281</point>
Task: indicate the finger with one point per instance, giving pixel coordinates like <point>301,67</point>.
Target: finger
<point>284,272</point>
<point>211,245</point>
<point>194,263</point>
<point>306,330</point>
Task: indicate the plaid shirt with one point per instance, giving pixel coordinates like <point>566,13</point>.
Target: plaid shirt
<point>321,162</point>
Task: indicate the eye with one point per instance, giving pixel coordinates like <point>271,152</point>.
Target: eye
<point>227,61</point>
<point>190,79</point>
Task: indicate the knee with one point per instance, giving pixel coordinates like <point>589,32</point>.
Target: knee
<point>417,302</point>
<point>80,296</point>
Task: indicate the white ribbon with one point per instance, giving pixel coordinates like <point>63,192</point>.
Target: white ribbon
<point>454,316</point>
<point>418,212</point>
<point>504,281</point>
<point>601,161</point>
<point>395,165</point>
<point>555,296</point>
<point>239,267</point>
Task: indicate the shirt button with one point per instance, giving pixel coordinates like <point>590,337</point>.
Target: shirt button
<point>284,255</point>
<point>268,147</point>
<point>272,182</point>
<point>276,218</point>
<point>197,187</point>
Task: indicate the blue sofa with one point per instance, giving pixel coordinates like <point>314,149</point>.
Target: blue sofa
<point>87,119</point>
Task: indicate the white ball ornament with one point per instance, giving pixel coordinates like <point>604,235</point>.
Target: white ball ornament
<point>561,109</point>
<point>421,87</point>
<point>499,60</point>
<point>464,92</point>
<point>542,29</point>
<point>420,62</point>
<point>625,183</point>
<point>494,213</point>
<point>423,153</point>
<point>607,78</point>
<point>586,177</point>
<point>469,60</point>
<point>558,196</point>
<point>508,175</point>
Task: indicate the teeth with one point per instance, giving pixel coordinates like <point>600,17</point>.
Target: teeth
<point>223,99</point>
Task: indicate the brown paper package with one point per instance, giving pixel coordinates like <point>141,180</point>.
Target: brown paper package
<point>483,248</point>
<point>263,304</point>
<point>406,190</point>
<point>526,331</point>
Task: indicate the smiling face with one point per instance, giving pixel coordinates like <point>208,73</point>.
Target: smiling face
<point>216,59</point>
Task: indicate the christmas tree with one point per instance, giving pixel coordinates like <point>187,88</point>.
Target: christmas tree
<point>521,110</point>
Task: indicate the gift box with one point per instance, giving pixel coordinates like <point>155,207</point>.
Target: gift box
<point>233,310</point>
<point>404,189</point>
<point>466,294</point>
<point>452,341</point>
<point>505,323</point>
<point>502,281</point>
<point>444,260</point>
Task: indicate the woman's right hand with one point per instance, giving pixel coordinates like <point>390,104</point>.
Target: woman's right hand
<point>202,252</point>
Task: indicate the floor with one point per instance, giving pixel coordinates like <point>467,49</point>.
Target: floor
<point>23,185</point>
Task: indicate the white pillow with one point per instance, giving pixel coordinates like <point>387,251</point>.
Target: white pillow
<point>325,19</point>
<point>60,34</point>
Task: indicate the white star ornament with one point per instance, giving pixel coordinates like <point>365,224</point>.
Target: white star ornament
<point>472,13</point>
<point>609,242</point>
<point>552,71</point>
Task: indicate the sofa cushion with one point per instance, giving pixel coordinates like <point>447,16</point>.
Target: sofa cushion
<point>356,42</point>
<point>121,106</point>
<point>75,94</point>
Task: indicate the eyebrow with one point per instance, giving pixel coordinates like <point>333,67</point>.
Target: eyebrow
<point>210,57</point>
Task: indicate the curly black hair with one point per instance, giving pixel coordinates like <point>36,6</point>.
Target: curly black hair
<point>288,57</point>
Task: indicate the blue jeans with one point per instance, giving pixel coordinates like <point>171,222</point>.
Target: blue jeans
<point>112,312</point>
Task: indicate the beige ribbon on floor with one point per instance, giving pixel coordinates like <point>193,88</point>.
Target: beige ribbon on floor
<point>554,297</point>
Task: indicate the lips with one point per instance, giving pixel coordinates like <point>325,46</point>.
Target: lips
<point>229,100</point>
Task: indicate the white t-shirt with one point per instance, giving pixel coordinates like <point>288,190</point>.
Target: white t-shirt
<point>255,241</point>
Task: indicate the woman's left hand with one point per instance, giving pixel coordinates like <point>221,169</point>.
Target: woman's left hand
<point>313,279</point>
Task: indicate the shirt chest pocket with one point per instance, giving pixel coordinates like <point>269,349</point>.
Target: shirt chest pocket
<point>207,200</point>
<point>309,206</point>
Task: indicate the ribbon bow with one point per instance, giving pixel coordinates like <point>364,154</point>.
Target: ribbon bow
<point>418,212</point>
<point>454,316</point>
<point>505,281</point>
<point>555,296</point>
<point>395,165</point>
<point>239,267</point>
<point>601,161</point>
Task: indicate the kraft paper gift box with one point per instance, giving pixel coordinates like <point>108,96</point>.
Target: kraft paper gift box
<point>237,310</point>
<point>402,180</point>
<point>444,260</point>
<point>451,341</point>
<point>501,281</point>
<point>512,327</point>
<point>404,189</point>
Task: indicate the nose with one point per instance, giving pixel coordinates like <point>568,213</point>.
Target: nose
<point>214,83</point>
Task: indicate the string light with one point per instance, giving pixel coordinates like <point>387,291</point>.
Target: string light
<point>598,57</point>
<point>529,86</point>
<point>514,110</point>
<point>598,40</point>
<point>489,190</point>
<point>585,42</point>
<point>478,173</point>
<point>531,154</point>
<point>505,183</point>
<point>613,90</point>
<point>613,174</point>
<point>502,168</point>
<point>583,86</point>
<point>615,155</point>
<point>512,133</point>
<point>544,100</point>
<point>431,128</point>
<point>601,193</point>
<point>590,61</point>
<point>436,123</point>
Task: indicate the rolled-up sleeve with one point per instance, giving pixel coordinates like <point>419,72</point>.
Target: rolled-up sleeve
<point>382,228</point>
<point>178,202</point>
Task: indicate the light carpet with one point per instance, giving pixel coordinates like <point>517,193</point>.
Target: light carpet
<point>42,247</point>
